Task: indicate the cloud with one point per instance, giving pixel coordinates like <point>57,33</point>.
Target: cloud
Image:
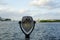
<point>23,10</point>
<point>11,12</point>
<point>48,16</point>
<point>7,9</point>
<point>11,9</point>
<point>40,9</point>
<point>40,2</point>
<point>2,2</point>
<point>50,4</point>
<point>46,9</point>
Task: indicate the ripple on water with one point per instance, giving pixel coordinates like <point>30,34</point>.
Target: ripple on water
<point>42,31</point>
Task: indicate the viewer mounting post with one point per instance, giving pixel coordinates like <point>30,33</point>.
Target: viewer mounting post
<point>27,25</point>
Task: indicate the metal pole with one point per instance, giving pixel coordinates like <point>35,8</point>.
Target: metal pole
<point>27,37</point>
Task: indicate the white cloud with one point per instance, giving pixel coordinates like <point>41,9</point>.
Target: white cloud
<point>44,7</point>
<point>2,2</point>
<point>40,11</point>
<point>23,10</point>
<point>11,12</point>
<point>9,9</point>
<point>40,2</point>
<point>6,9</point>
<point>44,3</point>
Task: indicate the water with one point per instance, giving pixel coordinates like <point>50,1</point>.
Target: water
<point>42,31</point>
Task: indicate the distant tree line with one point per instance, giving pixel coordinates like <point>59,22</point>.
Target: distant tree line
<point>49,20</point>
<point>4,19</point>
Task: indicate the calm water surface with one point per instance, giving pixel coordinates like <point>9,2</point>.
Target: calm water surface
<point>42,31</point>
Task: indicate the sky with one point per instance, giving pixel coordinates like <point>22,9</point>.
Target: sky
<point>38,9</point>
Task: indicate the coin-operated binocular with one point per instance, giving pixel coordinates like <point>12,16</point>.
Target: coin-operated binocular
<point>27,25</point>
